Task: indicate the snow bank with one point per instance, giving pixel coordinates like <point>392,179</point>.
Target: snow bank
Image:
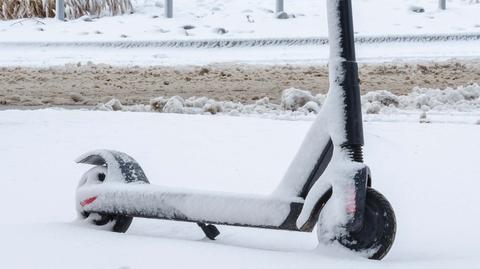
<point>297,103</point>
<point>462,99</point>
<point>293,99</point>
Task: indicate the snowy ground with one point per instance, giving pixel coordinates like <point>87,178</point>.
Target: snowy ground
<point>40,56</point>
<point>249,19</point>
<point>428,172</point>
<point>48,42</point>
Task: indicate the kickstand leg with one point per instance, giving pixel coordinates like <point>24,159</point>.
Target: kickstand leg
<point>209,229</point>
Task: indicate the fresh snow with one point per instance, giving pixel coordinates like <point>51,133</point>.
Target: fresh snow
<point>40,56</point>
<point>427,171</point>
<point>297,104</point>
<point>213,19</point>
<point>133,39</point>
<point>194,205</point>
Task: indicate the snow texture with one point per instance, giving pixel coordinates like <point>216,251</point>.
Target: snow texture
<point>293,99</point>
<point>301,104</point>
<point>248,155</point>
<point>192,205</point>
<point>250,19</point>
<point>122,167</point>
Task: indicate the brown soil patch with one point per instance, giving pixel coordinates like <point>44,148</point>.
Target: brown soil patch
<point>91,84</point>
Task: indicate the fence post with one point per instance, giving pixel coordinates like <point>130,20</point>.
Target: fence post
<point>442,4</point>
<point>169,8</point>
<point>279,6</point>
<point>60,10</point>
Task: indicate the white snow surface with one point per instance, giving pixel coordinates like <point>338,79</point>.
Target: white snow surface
<point>427,171</point>
<point>246,20</point>
<point>31,42</point>
<point>42,56</point>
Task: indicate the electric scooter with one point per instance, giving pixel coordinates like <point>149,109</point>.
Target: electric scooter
<point>327,185</point>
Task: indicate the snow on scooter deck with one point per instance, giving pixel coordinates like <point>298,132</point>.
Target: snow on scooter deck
<point>149,201</point>
<point>119,186</point>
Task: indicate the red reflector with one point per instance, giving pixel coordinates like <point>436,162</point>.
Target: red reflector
<point>351,208</point>
<point>352,205</point>
<point>88,201</point>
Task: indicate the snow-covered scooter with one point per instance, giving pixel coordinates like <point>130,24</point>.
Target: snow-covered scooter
<point>327,185</point>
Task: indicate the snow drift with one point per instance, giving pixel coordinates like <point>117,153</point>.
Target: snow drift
<point>300,103</point>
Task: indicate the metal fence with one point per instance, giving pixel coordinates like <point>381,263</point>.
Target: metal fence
<point>279,7</point>
<point>442,4</point>
<point>60,8</point>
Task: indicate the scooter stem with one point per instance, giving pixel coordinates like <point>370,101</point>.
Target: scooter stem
<point>350,83</point>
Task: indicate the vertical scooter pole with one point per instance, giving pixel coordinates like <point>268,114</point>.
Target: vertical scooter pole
<point>350,84</point>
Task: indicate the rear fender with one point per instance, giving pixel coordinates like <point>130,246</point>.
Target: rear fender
<point>120,166</point>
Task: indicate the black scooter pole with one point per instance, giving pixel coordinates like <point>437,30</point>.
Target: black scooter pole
<point>350,84</point>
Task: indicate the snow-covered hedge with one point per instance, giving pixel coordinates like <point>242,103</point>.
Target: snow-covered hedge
<point>17,9</point>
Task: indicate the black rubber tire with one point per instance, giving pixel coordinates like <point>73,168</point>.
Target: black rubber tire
<point>379,228</point>
<point>121,223</point>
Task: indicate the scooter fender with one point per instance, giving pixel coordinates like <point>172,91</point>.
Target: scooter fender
<point>362,181</point>
<point>120,166</point>
<point>354,208</point>
<point>111,168</point>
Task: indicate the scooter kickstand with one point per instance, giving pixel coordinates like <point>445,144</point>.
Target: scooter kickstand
<point>209,229</point>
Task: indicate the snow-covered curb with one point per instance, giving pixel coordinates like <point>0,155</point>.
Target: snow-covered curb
<point>249,42</point>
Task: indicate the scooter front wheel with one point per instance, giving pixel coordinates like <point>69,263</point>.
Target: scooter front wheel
<point>379,227</point>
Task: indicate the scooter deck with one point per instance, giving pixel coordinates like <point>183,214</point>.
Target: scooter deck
<point>150,201</point>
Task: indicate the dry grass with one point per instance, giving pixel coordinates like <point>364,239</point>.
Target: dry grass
<point>97,8</point>
<point>17,9</point>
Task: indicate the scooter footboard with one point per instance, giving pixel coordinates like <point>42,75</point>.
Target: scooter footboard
<point>148,201</point>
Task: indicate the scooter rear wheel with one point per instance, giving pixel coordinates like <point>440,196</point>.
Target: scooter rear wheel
<point>379,227</point>
<point>116,223</point>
